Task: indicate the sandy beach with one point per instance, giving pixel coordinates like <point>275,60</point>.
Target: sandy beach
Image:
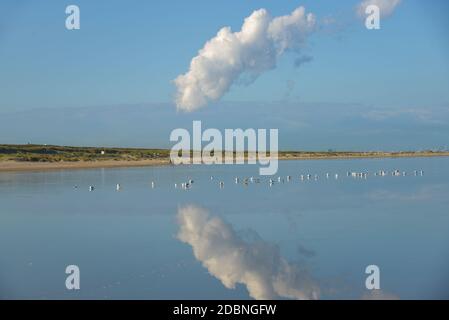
<point>10,165</point>
<point>38,166</point>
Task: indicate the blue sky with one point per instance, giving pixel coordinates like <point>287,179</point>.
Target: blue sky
<point>129,54</point>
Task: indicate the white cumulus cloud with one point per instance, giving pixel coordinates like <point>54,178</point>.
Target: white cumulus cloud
<point>232,259</point>
<point>229,55</point>
<point>386,7</point>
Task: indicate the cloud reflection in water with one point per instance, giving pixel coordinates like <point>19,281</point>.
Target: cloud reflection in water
<point>232,259</point>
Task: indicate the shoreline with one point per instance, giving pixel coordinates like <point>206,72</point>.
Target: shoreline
<point>19,166</point>
<point>14,166</point>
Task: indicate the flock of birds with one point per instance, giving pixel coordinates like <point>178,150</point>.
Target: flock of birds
<point>303,177</point>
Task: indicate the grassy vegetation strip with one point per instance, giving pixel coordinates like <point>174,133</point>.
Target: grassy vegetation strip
<point>57,154</point>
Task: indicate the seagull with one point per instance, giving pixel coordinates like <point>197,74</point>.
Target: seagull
<point>117,187</point>
<point>91,188</point>
<point>185,185</point>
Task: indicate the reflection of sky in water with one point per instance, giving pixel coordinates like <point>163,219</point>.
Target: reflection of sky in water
<point>306,234</point>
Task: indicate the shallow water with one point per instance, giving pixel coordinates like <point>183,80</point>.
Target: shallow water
<point>297,239</point>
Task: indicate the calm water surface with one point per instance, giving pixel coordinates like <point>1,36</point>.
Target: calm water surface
<point>297,239</point>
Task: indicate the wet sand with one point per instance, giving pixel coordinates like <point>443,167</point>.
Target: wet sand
<point>39,166</point>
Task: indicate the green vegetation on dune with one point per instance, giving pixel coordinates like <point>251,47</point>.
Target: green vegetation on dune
<point>50,153</point>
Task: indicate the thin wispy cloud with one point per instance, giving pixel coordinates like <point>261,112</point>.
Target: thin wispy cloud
<point>234,260</point>
<point>231,56</point>
<point>302,60</point>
